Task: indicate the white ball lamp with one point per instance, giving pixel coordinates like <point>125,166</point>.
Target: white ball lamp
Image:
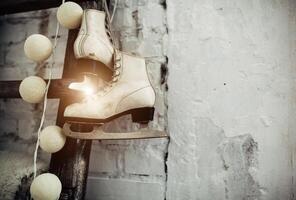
<point>69,15</point>
<point>38,47</point>
<point>32,89</point>
<point>52,139</point>
<point>46,187</point>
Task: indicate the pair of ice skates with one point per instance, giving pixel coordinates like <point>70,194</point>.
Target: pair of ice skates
<point>129,92</point>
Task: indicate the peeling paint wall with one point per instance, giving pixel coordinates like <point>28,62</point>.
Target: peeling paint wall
<point>231,99</point>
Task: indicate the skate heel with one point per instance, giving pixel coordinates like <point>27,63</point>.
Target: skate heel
<point>142,115</point>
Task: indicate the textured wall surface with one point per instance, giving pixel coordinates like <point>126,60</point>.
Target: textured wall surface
<point>231,99</point>
<point>228,104</point>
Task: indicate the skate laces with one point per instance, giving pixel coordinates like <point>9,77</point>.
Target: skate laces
<point>116,73</point>
<point>109,19</point>
<point>116,55</point>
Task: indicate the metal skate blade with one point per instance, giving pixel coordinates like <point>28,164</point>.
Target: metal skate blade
<point>98,134</point>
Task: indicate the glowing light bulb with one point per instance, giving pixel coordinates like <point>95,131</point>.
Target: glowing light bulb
<point>88,90</point>
<point>86,86</point>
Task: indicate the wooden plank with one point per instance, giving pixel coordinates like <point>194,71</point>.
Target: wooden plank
<point>9,89</point>
<point>57,89</point>
<point>15,6</point>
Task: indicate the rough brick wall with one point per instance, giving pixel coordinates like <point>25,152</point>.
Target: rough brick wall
<point>19,120</point>
<point>118,170</point>
<point>228,104</point>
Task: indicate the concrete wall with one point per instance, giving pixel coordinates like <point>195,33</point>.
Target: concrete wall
<point>228,103</point>
<point>231,99</point>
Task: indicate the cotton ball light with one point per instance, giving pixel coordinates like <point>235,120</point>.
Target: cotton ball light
<point>46,187</point>
<point>69,15</point>
<point>32,89</point>
<point>38,47</point>
<point>52,139</point>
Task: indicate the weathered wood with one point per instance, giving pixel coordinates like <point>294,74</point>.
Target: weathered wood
<point>15,6</point>
<point>9,89</point>
<point>57,89</point>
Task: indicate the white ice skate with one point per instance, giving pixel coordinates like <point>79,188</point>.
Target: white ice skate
<point>130,92</point>
<point>93,42</point>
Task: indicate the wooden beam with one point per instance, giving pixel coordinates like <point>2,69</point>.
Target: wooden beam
<point>58,88</point>
<point>9,89</point>
<point>15,6</point>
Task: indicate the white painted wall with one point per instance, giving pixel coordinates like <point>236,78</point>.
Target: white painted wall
<point>231,99</point>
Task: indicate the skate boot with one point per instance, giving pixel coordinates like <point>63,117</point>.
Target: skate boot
<point>130,92</point>
<point>92,41</point>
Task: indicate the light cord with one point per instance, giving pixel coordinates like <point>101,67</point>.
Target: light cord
<point>110,17</point>
<point>114,10</point>
<point>45,96</point>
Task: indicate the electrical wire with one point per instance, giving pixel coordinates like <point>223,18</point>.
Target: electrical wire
<point>114,10</point>
<point>45,96</point>
<point>109,16</point>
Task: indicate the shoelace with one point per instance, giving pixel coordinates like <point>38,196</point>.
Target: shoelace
<point>109,19</point>
<point>116,56</point>
<point>116,73</point>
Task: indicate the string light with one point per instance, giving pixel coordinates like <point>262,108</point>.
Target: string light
<point>45,96</point>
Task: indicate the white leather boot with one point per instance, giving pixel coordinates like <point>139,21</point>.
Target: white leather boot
<point>92,41</point>
<point>130,93</point>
